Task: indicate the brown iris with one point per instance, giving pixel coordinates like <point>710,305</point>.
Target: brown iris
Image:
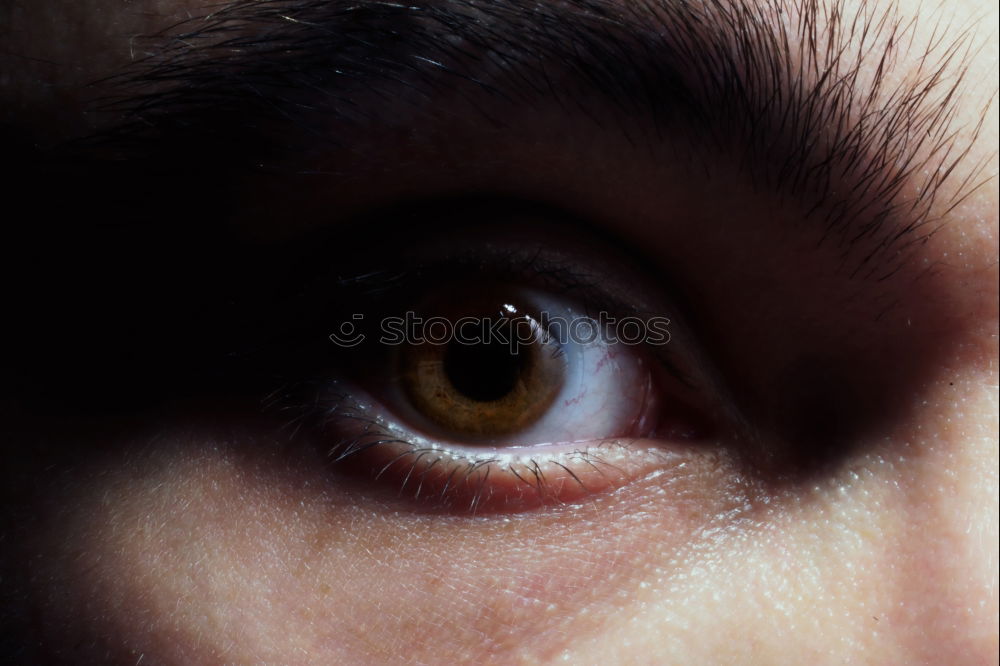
<point>496,373</point>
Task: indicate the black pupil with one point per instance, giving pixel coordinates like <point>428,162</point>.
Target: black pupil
<point>484,371</point>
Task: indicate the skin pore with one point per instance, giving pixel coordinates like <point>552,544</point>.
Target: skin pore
<point>845,510</point>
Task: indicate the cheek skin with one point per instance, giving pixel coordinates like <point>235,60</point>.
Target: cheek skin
<point>199,551</point>
<point>893,562</point>
<point>207,548</point>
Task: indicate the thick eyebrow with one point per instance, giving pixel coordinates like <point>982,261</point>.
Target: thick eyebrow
<point>803,96</point>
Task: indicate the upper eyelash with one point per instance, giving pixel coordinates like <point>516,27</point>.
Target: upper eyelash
<point>391,285</point>
<point>514,264</point>
<point>531,266</point>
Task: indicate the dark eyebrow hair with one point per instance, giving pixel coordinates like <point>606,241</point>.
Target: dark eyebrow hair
<point>825,122</point>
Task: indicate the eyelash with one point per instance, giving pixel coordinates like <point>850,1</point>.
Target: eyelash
<point>528,267</point>
<point>524,482</point>
<point>358,446</point>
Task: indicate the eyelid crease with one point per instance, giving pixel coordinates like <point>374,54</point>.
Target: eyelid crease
<point>513,245</point>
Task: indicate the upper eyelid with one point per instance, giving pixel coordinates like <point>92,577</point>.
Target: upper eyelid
<point>553,251</point>
<point>619,287</point>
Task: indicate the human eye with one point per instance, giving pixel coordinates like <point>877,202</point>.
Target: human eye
<point>492,376</point>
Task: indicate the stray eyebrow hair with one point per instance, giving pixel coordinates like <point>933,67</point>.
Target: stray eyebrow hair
<point>801,94</point>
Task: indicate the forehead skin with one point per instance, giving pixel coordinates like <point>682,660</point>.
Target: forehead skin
<point>895,565</point>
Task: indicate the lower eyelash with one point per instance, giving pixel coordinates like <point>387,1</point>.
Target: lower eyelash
<point>442,478</point>
<point>376,459</point>
<point>458,479</point>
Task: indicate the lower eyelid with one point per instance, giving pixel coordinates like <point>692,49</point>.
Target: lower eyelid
<point>441,479</point>
<point>456,478</point>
